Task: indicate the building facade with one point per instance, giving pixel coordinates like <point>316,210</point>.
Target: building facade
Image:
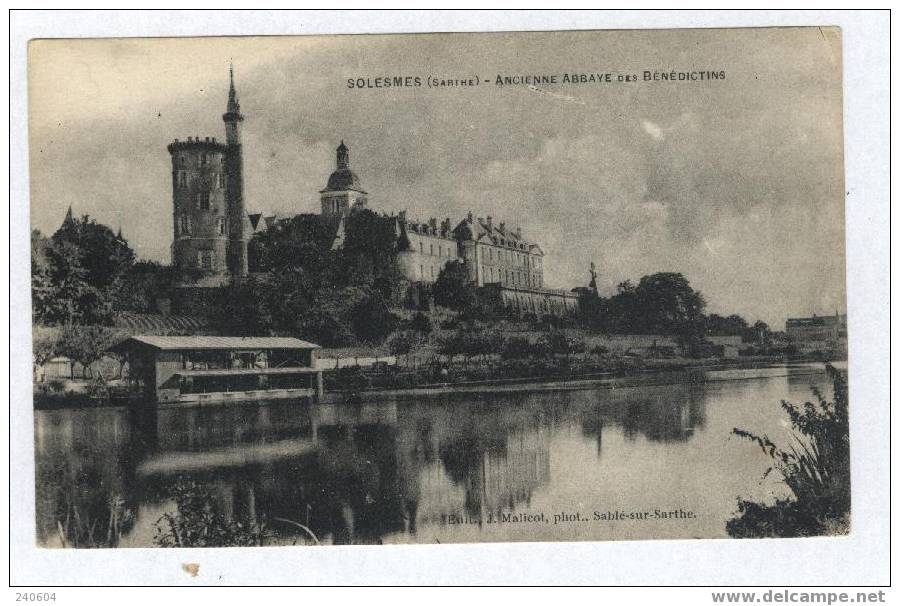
<point>818,333</point>
<point>423,249</point>
<point>210,224</point>
<point>496,254</point>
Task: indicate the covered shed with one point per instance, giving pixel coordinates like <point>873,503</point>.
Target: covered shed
<point>205,368</point>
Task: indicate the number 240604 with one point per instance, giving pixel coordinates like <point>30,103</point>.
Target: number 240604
<point>36,597</point>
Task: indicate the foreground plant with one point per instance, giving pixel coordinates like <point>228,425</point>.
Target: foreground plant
<point>815,466</point>
<point>198,522</point>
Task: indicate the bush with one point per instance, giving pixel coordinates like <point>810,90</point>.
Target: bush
<point>351,378</point>
<point>816,468</point>
<point>198,522</point>
<point>421,323</point>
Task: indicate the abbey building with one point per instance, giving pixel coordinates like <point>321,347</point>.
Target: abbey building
<point>212,228</point>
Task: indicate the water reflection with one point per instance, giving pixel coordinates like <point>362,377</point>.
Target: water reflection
<point>352,473</point>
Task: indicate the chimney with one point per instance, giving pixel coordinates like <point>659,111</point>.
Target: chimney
<point>502,226</point>
<point>490,221</point>
<point>469,217</point>
<point>432,223</point>
<point>402,216</point>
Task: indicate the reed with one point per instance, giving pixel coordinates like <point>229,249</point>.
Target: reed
<point>815,465</point>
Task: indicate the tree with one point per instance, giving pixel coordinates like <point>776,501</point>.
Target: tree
<point>669,306</point>
<point>759,333</point>
<point>104,256</point>
<point>142,285</point>
<point>372,319</point>
<point>452,288</point>
<point>368,256</point>
<point>86,344</point>
<point>77,273</point>
<point>732,326</point>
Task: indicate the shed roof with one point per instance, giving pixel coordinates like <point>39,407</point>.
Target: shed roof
<point>208,342</point>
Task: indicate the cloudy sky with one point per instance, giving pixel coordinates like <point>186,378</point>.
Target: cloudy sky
<point>736,183</point>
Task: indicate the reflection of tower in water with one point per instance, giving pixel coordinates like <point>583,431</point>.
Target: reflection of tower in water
<point>498,474</point>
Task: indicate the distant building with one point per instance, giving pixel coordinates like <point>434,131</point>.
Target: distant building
<point>818,333</point>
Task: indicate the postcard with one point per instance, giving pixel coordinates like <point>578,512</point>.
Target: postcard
<point>440,288</point>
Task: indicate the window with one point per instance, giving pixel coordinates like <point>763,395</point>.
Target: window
<point>184,225</point>
<point>203,159</point>
<point>221,180</point>
<point>220,225</point>
<point>202,200</point>
<point>421,271</point>
<point>440,251</point>
<point>182,178</point>
<point>431,249</point>
<point>432,271</point>
<point>421,248</point>
<point>207,259</point>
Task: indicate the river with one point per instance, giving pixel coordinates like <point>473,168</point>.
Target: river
<point>602,463</point>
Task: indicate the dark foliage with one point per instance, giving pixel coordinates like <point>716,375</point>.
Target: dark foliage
<point>77,273</point>
<point>452,289</point>
<point>816,468</point>
<point>198,522</point>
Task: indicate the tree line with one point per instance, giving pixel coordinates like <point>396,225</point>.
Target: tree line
<point>303,285</point>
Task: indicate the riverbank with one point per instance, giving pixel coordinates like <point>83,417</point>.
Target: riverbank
<point>608,380</point>
<point>661,372</point>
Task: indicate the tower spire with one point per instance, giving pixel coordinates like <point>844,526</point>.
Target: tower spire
<point>343,156</point>
<point>69,219</point>
<point>233,106</point>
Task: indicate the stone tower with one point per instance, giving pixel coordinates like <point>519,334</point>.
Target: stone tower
<point>200,247</point>
<point>207,193</point>
<point>343,192</point>
<point>234,183</point>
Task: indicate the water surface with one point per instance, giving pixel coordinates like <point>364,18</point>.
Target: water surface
<point>530,465</point>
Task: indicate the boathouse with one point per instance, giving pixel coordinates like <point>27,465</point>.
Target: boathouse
<point>207,368</point>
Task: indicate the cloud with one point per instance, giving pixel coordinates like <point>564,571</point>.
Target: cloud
<point>652,129</point>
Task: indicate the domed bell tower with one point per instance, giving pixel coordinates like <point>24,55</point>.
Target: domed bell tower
<point>343,193</point>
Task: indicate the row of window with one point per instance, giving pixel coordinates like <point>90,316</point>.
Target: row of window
<point>183,179</point>
<point>504,242</point>
<point>514,278</point>
<point>451,251</point>
<point>506,256</point>
<point>205,159</point>
<point>185,227</point>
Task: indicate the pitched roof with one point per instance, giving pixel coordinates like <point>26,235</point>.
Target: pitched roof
<point>206,342</point>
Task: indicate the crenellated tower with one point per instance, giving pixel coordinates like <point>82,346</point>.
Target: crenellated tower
<point>210,243</point>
